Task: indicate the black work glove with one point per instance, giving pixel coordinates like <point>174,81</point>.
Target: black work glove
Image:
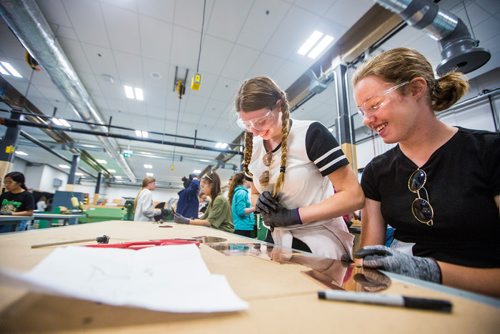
<point>382,257</point>
<point>266,203</point>
<point>3,213</point>
<point>282,217</point>
<point>179,219</point>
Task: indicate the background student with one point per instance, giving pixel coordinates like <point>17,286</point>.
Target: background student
<point>16,201</point>
<point>439,187</point>
<point>144,209</point>
<point>188,203</point>
<point>218,214</point>
<point>294,165</point>
<point>241,208</point>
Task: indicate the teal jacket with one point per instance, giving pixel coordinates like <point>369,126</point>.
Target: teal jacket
<point>241,201</point>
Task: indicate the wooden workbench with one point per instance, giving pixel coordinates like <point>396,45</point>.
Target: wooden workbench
<point>281,297</point>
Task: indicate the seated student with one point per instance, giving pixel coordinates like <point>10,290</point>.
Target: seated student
<point>17,200</point>
<point>143,203</point>
<point>218,214</point>
<point>241,208</point>
<point>439,187</point>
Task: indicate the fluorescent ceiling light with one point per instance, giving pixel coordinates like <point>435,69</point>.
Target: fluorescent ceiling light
<point>134,93</point>
<point>139,95</point>
<point>60,122</point>
<point>149,174</point>
<point>118,177</point>
<point>64,166</point>
<point>148,166</point>
<point>101,161</point>
<point>11,69</point>
<point>20,153</point>
<point>112,170</point>
<point>320,47</point>
<point>310,42</point>
<point>221,145</point>
<point>79,174</point>
<point>138,133</point>
<point>145,134</point>
<point>129,92</point>
<point>204,160</point>
<point>4,71</point>
<point>64,122</point>
<point>196,171</point>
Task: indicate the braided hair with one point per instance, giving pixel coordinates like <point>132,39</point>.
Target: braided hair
<point>257,93</point>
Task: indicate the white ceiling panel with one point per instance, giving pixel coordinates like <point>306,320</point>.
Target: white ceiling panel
<point>227,18</point>
<point>185,48</point>
<point>87,20</point>
<point>241,59</point>
<point>214,54</point>
<point>122,26</point>
<point>160,9</point>
<point>158,48</point>
<point>264,17</point>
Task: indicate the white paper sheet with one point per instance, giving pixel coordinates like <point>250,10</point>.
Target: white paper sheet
<point>169,278</point>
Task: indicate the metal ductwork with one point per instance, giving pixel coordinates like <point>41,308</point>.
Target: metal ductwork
<point>458,49</point>
<point>27,22</point>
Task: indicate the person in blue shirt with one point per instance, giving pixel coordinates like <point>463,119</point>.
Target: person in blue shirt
<point>241,208</point>
<point>188,203</point>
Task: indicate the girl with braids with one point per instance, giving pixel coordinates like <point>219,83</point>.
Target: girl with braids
<point>438,187</point>
<point>16,201</point>
<point>218,214</point>
<point>294,165</point>
<point>241,208</point>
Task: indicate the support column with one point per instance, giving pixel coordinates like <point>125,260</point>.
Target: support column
<point>97,188</point>
<point>72,171</point>
<point>343,124</point>
<point>8,146</point>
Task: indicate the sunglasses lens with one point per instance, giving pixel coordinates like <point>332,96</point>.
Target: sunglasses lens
<point>417,180</point>
<point>422,210</point>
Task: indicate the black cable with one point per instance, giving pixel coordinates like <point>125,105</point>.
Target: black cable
<point>201,37</point>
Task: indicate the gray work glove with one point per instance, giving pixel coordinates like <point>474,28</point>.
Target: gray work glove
<point>266,203</point>
<point>282,217</point>
<point>180,219</point>
<point>381,257</point>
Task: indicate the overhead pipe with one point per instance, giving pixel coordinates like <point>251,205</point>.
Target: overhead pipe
<point>9,121</point>
<point>458,49</point>
<point>47,148</point>
<point>26,20</point>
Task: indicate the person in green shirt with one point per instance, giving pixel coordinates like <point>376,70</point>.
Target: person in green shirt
<point>218,214</point>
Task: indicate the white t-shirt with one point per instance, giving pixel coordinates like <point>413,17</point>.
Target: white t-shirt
<point>313,154</point>
<point>144,210</point>
<point>41,206</point>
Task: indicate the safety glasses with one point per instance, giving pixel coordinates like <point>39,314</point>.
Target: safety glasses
<point>376,102</point>
<point>258,123</point>
<point>421,207</point>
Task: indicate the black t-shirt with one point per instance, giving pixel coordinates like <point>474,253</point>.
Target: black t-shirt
<point>10,202</point>
<point>463,176</point>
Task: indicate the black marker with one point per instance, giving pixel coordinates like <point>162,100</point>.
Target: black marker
<point>386,299</point>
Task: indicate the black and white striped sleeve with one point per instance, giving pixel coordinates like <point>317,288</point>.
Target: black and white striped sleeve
<point>323,149</point>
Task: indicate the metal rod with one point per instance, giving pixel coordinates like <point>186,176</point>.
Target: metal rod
<point>7,121</point>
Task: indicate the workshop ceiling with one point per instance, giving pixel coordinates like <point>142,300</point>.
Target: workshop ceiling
<point>112,43</point>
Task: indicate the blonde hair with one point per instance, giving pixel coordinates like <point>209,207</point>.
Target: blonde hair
<point>263,92</point>
<point>145,182</point>
<point>402,64</point>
